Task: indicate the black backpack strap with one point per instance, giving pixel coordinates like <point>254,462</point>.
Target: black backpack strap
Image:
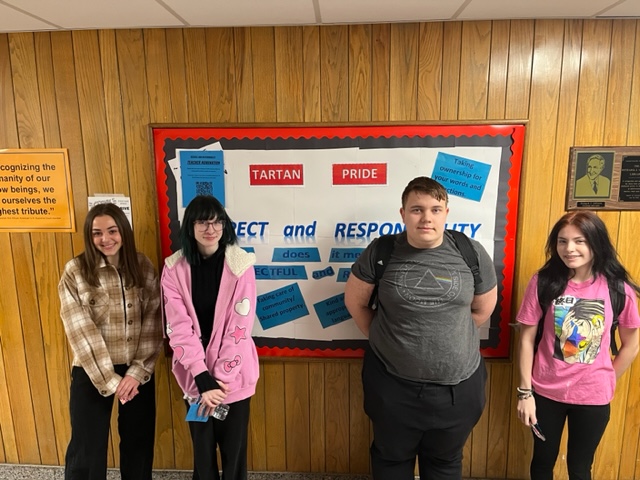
<point>618,299</point>
<point>384,249</point>
<point>465,247</point>
<point>381,255</point>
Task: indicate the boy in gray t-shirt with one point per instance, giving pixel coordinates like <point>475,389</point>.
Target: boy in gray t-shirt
<point>422,330</point>
<point>423,377</point>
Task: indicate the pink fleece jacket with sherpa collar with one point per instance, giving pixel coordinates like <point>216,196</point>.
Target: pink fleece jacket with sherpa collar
<point>231,355</point>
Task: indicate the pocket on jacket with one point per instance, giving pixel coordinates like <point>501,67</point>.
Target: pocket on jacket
<point>97,303</point>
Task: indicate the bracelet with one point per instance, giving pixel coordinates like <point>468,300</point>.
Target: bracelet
<point>524,393</point>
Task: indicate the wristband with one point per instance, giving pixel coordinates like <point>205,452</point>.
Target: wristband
<point>524,393</point>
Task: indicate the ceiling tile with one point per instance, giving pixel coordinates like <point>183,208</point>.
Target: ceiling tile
<point>244,12</point>
<point>628,8</point>
<point>90,14</point>
<point>498,9</point>
<point>34,15</point>
<point>375,11</point>
<point>12,20</point>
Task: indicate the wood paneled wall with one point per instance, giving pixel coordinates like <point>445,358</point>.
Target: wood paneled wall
<point>96,92</point>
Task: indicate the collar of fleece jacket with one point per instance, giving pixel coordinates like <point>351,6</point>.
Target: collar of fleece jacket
<point>236,258</point>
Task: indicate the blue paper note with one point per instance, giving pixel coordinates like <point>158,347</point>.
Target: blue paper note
<point>193,416</point>
<point>202,173</point>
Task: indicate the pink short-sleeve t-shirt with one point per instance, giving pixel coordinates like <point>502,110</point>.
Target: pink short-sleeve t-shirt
<point>573,362</point>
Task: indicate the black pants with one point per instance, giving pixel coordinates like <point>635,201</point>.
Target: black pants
<point>587,424</point>
<point>230,435</point>
<point>426,420</point>
<point>86,457</point>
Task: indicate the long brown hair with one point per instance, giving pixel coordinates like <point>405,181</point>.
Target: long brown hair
<point>128,264</point>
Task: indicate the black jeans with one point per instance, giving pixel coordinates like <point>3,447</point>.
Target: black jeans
<point>86,457</point>
<point>230,435</point>
<point>426,420</point>
<point>587,424</point>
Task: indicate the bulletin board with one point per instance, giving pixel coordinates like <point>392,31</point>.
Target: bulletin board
<point>307,200</point>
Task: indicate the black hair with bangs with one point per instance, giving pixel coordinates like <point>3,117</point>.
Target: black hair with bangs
<point>203,207</point>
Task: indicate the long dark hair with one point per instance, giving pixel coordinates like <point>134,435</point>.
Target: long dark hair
<point>554,274</point>
<point>129,266</point>
<point>203,207</point>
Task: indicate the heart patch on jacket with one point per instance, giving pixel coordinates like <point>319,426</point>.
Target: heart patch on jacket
<point>243,307</point>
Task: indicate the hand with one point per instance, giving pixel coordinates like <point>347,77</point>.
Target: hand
<point>210,399</point>
<point>127,389</point>
<point>527,411</point>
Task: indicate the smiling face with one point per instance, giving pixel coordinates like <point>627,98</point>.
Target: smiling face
<point>424,217</point>
<point>208,234</point>
<point>594,167</point>
<point>106,238</point>
<point>575,252</point>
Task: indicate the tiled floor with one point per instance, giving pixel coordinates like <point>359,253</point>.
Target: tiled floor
<point>21,472</point>
<point>25,472</point>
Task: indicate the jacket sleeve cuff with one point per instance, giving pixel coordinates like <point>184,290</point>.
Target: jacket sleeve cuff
<point>110,387</point>
<point>197,368</point>
<point>140,374</point>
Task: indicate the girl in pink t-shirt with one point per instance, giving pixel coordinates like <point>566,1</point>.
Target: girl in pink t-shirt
<point>571,376</point>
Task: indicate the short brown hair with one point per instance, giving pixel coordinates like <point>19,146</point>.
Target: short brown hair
<point>425,185</point>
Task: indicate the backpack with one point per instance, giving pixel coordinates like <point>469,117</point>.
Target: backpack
<point>618,299</point>
<point>384,249</point>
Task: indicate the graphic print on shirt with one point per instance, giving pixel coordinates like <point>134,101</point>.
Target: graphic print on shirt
<point>579,327</point>
<point>427,285</point>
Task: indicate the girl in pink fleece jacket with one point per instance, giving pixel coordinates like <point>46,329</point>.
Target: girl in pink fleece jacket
<point>209,293</point>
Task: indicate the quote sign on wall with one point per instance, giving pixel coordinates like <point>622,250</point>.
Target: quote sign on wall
<point>307,200</point>
<point>35,191</point>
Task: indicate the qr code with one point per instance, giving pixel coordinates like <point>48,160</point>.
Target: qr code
<point>204,188</point>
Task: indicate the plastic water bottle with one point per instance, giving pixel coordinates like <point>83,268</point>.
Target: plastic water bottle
<point>221,411</point>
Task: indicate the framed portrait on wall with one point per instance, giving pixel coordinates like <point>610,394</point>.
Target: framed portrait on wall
<point>604,178</point>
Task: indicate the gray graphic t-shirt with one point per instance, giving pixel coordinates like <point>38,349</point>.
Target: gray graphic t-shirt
<point>422,329</point>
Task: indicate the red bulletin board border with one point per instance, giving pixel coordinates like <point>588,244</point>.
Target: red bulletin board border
<point>499,346</point>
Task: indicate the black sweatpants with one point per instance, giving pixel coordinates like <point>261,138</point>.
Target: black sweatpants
<point>587,424</point>
<point>230,435</point>
<point>90,412</point>
<point>426,420</point>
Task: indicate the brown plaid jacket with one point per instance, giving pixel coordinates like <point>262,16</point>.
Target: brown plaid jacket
<point>111,324</point>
